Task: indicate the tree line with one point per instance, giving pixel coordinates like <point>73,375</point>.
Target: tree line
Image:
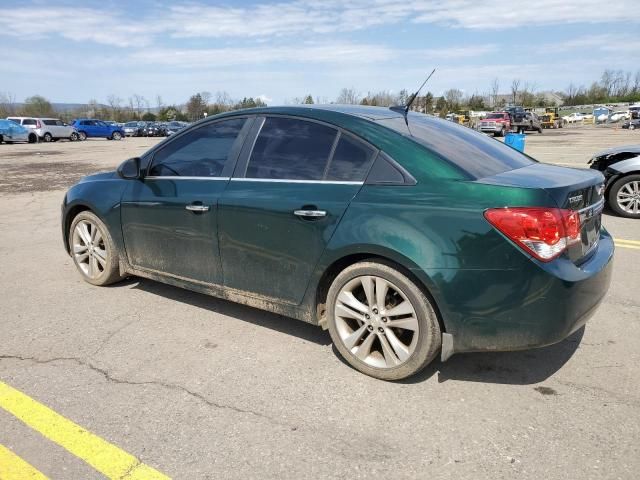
<point>137,108</point>
<point>613,86</point>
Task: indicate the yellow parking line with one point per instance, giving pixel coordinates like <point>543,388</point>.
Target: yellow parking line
<point>105,457</point>
<point>12,467</point>
<point>630,242</point>
<point>626,245</point>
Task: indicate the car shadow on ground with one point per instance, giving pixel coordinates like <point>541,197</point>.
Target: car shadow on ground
<point>279,323</point>
<point>515,368</point>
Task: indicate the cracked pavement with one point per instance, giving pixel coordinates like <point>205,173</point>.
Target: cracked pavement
<point>203,388</point>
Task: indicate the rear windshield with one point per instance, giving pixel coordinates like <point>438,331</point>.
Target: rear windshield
<point>475,153</point>
<point>495,115</point>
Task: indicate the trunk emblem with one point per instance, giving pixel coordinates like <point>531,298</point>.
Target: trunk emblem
<point>575,201</point>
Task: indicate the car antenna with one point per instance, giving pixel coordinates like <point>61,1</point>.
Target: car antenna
<point>404,109</point>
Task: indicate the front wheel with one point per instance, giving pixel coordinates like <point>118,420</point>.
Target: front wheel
<point>116,136</point>
<point>632,127</point>
<point>74,137</point>
<point>47,137</point>
<point>624,196</point>
<point>93,250</point>
<point>381,322</point>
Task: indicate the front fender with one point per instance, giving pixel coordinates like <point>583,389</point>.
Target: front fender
<point>102,197</point>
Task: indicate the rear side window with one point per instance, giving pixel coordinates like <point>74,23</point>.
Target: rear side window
<point>49,122</point>
<point>291,149</point>
<point>351,160</point>
<point>202,152</point>
<point>475,153</point>
<point>28,121</point>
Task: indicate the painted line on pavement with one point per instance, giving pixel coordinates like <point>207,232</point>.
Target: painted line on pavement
<point>627,244</point>
<point>105,457</point>
<point>12,467</point>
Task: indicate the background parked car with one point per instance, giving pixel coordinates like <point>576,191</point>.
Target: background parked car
<point>621,169</point>
<point>577,117</point>
<point>175,127</point>
<point>91,128</point>
<point>47,129</point>
<point>617,116</point>
<point>12,132</point>
<point>154,129</point>
<point>631,124</point>
<point>133,129</point>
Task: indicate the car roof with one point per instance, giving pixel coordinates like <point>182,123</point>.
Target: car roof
<point>362,111</point>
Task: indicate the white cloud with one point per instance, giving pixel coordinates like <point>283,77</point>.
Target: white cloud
<point>301,18</point>
<point>73,23</point>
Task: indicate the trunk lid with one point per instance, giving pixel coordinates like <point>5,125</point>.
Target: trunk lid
<point>576,189</point>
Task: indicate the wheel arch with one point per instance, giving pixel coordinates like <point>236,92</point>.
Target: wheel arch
<point>403,265</point>
<point>70,214</point>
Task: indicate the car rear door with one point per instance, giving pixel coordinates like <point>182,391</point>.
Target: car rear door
<point>169,218</point>
<point>290,189</point>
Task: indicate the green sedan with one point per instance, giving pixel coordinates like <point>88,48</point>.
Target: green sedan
<point>405,236</point>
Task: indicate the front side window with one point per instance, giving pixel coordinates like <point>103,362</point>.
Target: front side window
<point>49,122</point>
<point>202,152</point>
<point>291,149</point>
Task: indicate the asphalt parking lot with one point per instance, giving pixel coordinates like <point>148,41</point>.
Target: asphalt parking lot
<point>144,380</point>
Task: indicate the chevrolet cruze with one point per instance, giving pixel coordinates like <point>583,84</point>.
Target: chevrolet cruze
<point>404,235</point>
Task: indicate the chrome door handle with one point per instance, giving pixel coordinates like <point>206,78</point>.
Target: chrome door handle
<point>310,213</point>
<point>197,208</point>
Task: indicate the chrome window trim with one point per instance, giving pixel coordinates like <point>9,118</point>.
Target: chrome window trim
<point>177,177</point>
<point>282,180</point>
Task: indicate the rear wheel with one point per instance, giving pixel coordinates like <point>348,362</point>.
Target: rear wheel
<point>93,250</point>
<point>624,196</point>
<point>381,322</point>
<point>47,137</point>
<point>632,127</point>
<point>82,135</point>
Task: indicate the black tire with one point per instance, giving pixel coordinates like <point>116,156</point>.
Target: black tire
<point>613,195</point>
<point>74,137</point>
<point>632,127</point>
<point>429,333</point>
<point>33,138</point>
<point>82,136</point>
<point>111,271</point>
<point>47,137</point>
<point>1,139</point>
<point>116,136</point>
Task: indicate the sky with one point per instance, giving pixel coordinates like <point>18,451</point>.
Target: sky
<point>278,50</point>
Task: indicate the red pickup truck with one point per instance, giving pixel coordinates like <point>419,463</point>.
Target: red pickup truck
<point>498,123</point>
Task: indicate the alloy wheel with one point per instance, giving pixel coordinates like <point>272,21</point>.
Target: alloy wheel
<point>376,321</point>
<point>89,249</point>
<point>628,197</point>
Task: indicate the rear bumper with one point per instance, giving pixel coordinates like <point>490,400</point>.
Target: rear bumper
<point>536,306</point>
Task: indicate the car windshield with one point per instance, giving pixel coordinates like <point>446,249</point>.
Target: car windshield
<point>473,152</point>
<point>495,115</point>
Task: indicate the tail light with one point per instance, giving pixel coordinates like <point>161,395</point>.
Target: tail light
<point>543,232</point>
<point>38,124</point>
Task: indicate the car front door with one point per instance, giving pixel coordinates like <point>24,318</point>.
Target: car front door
<point>169,218</point>
<point>287,196</point>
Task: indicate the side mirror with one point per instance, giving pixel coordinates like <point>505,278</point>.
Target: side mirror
<point>130,169</point>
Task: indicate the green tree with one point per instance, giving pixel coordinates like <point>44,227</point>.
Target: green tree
<point>37,106</point>
<point>308,100</point>
<point>196,107</point>
<point>149,117</point>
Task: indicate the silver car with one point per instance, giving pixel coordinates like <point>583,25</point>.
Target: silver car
<point>11,132</point>
<point>48,129</point>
